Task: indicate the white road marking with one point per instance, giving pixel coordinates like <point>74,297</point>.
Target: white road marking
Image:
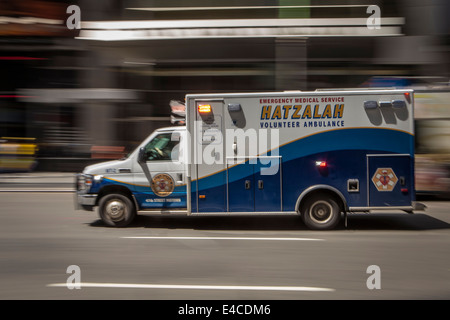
<point>226,238</point>
<point>190,287</point>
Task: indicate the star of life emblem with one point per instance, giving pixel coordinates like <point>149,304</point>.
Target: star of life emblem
<point>384,179</point>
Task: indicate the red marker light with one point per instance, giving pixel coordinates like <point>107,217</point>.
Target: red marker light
<point>408,96</point>
<point>321,164</point>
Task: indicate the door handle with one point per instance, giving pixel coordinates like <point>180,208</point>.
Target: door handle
<point>248,184</point>
<point>260,184</point>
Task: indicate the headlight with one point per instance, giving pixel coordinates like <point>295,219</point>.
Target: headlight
<point>84,182</point>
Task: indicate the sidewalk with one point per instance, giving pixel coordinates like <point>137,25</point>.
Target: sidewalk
<point>37,182</point>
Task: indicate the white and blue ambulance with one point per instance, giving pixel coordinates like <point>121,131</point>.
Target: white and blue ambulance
<point>319,154</point>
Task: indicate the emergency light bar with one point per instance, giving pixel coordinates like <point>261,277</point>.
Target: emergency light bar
<point>204,108</point>
<point>385,104</point>
<point>398,104</point>
<point>234,107</point>
<point>370,104</point>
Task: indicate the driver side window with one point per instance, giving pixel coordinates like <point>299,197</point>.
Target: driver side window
<point>162,147</point>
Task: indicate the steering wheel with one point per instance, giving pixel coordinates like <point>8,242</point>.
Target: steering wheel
<point>161,153</point>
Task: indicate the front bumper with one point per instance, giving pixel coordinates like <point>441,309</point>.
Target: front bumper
<point>83,199</point>
<point>86,199</point>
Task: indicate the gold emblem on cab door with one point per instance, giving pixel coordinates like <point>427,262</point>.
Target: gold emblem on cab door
<point>162,185</point>
<point>384,179</point>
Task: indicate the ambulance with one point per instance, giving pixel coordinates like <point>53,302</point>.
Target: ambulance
<point>319,155</point>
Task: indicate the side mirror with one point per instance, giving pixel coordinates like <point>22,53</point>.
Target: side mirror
<point>141,155</point>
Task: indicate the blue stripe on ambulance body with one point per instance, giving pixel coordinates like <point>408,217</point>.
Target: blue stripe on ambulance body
<point>144,195</point>
<point>147,198</point>
<point>345,151</point>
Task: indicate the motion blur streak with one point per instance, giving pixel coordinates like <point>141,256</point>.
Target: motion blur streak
<point>110,83</point>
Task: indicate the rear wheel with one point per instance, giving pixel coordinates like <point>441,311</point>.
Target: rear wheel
<point>116,210</point>
<point>321,212</point>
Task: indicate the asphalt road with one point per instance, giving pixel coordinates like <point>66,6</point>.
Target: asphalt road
<point>223,258</point>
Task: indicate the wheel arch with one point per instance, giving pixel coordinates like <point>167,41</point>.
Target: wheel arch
<point>110,189</point>
<point>321,188</point>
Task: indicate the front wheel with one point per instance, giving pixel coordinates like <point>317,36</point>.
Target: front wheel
<point>116,210</point>
<point>321,212</point>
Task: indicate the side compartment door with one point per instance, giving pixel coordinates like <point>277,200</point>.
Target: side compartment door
<point>390,179</point>
<point>240,186</point>
<point>209,161</point>
<point>253,186</point>
<point>268,186</point>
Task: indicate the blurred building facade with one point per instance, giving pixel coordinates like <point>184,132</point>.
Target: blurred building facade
<point>110,83</point>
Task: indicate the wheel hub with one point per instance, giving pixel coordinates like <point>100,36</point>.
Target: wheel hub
<point>115,209</point>
<point>321,212</point>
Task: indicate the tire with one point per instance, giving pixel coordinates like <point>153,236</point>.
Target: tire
<point>116,210</point>
<point>321,212</point>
